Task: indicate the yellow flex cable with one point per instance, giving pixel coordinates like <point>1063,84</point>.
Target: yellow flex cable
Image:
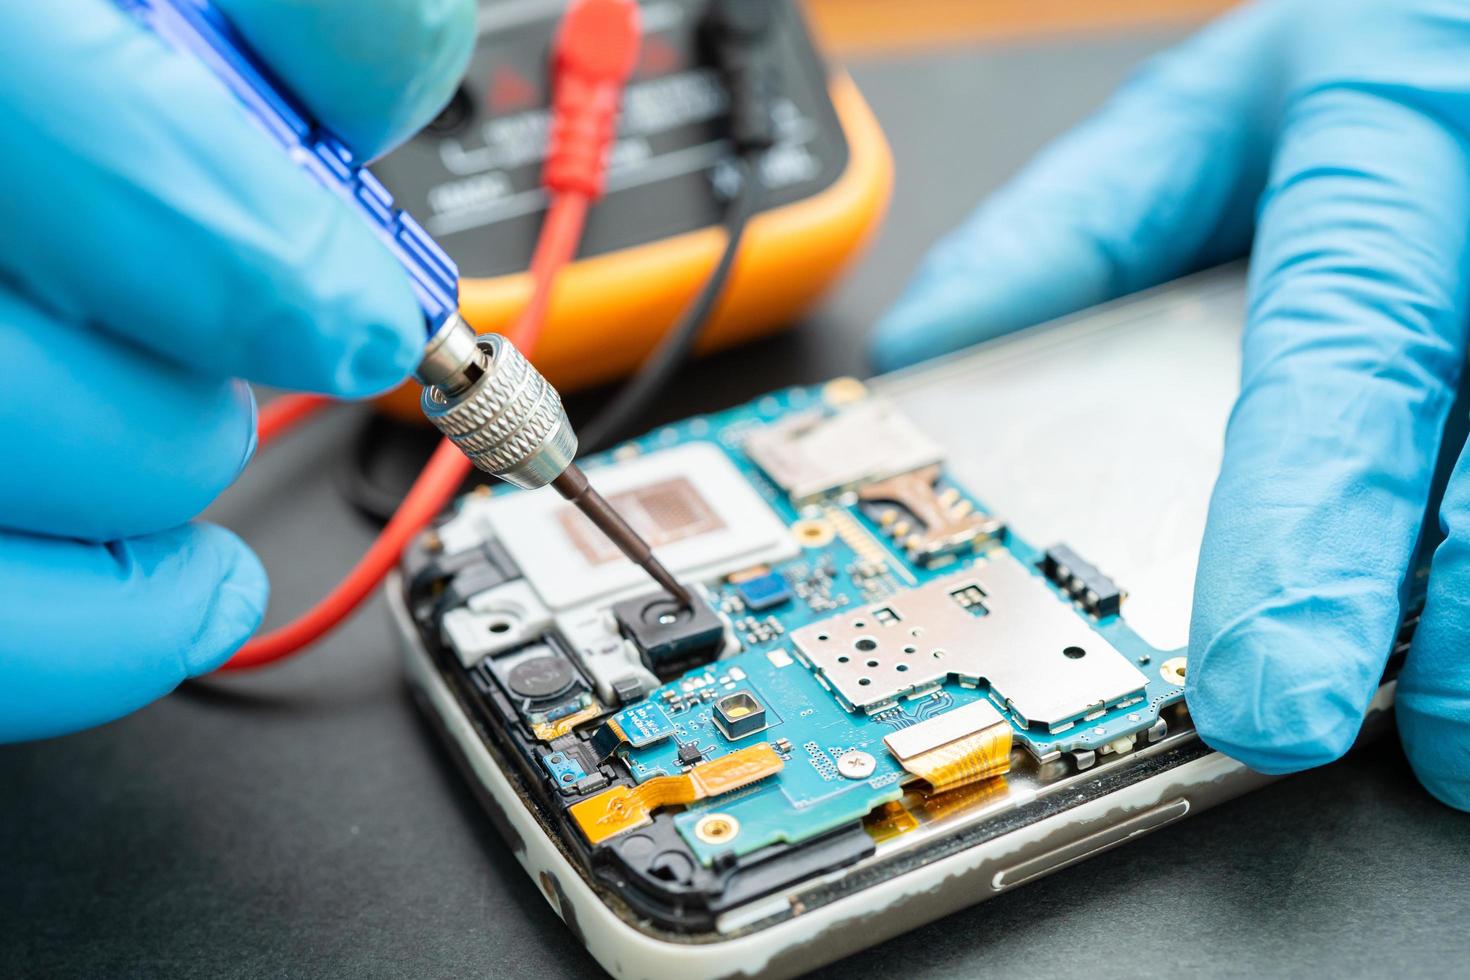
<point>976,756</point>
<point>624,807</point>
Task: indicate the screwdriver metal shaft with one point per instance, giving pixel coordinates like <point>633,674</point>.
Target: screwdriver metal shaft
<point>572,484</point>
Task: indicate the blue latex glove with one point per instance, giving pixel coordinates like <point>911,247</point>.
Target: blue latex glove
<point>154,248</point>
<point>1334,136</point>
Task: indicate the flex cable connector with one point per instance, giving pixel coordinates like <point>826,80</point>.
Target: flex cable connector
<point>624,807</point>
<point>548,730</point>
<point>959,747</point>
<point>964,761</point>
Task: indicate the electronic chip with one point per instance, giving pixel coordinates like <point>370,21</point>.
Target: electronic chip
<point>662,513</point>
<point>644,724</point>
<point>740,714</point>
<point>764,591</point>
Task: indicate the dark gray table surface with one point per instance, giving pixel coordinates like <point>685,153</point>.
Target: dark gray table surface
<point>303,822</point>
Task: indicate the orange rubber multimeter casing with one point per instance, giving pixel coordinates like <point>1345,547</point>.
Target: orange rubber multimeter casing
<point>472,178</point>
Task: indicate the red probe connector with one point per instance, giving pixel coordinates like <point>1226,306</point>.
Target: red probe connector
<point>594,53</point>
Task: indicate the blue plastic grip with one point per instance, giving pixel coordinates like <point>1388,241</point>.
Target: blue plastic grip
<point>197,27</point>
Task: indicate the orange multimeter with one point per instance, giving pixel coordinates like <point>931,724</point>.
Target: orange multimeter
<point>473,179</point>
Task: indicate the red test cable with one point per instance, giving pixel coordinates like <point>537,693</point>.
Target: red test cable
<point>284,413</point>
<point>440,478</point>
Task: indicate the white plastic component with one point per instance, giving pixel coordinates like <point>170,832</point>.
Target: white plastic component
<point>603,653</point>
<point>494,620</point>
<point>467,528</point>
<point>541,532</point>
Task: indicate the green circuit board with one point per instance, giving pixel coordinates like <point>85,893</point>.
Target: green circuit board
<point>805,719</point>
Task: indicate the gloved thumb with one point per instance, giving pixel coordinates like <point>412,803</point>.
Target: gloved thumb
<point>96,631</point>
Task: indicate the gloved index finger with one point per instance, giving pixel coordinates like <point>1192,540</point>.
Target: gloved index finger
<point>1159,183</point>
<point>373,71</point>
<point>1356,337</point>
<point>146,202</point>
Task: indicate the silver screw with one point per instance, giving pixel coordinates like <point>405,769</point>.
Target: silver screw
<point>856,765</point>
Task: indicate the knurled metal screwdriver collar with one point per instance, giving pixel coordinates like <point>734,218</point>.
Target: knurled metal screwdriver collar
<point>487,398</point>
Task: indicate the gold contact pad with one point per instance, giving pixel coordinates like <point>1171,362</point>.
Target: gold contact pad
<point>622,808</point>
<point>947,521</point>
<point>548,730</point>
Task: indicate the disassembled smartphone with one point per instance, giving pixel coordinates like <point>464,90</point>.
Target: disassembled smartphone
<point>893,700</point>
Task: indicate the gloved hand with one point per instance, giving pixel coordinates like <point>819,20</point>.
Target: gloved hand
<point>154,248</point>
<point>1334,136</point>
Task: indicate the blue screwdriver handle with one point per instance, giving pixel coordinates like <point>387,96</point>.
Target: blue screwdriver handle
<point>197,27</point>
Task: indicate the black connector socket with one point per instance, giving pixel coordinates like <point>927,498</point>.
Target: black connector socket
<point>739,35</point>
<point>670,637</point>
<point>1097,594</point>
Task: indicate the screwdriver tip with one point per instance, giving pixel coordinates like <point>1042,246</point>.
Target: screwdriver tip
<point>572,484</point>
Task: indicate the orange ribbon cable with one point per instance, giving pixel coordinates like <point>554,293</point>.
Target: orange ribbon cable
<point>621,808</point>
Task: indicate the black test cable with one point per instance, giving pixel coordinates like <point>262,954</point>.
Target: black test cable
<point>654,374</point>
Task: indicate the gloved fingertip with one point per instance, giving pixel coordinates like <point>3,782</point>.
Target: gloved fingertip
<point>1451,792</point>
<point>1277,758</point>
<point>900,338</point>
<point>374,78</point>
<point>1273,697</point>
<point>236,607</point>
<point>348,326</point>
<point>984,280</point>
<point>1435,729</point>
<point>447,33</point>
<point>940,314</point>
<point>382,356</point>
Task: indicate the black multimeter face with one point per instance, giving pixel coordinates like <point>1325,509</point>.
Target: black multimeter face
<point>473,176</point>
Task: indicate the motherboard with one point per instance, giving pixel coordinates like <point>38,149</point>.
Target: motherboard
<point>869,638</point>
